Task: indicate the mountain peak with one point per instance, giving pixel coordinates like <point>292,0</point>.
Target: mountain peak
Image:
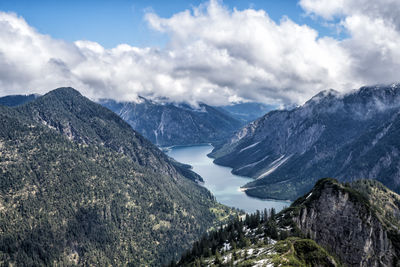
<point>65,91</point>
<point>379,91</point>
<point>322,96</point>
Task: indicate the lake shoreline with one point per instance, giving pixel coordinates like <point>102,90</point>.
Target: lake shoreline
<point>223,184</point>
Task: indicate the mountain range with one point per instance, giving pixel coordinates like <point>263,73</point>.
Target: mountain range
<point>15,100</point>
<point>248,111</point>
<point>346,136</point>
<point>168,124</point>
<point>80,187</point>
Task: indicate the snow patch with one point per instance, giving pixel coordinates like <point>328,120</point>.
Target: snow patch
<point>250,146</point>
<point>263,263</point>
<point>275,165</point>
<point>254,163</point>
<point>227,246</point>
<point>381,134</point>
<point>156,135</point>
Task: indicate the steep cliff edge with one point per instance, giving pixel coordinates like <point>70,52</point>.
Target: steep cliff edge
<point>357,222</point>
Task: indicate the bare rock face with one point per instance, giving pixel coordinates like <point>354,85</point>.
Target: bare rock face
<point>347,224</point>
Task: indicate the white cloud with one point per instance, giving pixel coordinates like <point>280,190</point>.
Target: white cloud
<point>374,35</point>
<point>214,55</point>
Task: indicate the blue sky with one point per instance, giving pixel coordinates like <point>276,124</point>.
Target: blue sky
<point>112,22</point>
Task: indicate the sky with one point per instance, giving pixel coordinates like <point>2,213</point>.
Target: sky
<point>113,22</point>
<point>276,52</point>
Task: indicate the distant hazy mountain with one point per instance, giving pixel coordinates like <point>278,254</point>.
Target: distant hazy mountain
<point>357,223</point>
<point>343,136</point>
<point>80,187</point>
<point>15,100</point>
<point>170,124</point>
<point>247,112</point>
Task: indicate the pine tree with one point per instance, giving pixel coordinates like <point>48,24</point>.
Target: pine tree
<point>272,214</point>
<point>218,259</point>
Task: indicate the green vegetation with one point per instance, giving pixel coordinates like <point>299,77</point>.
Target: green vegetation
<point>186,170</point>
<point>295,251</point>
<point>385,205</point>
<point>385,201</point>
<point>253,240</point>
<point>91,195</point>
<point>374,205</point>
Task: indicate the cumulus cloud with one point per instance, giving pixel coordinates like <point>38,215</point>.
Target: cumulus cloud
<point>214,55</point>
<point>373,28</point>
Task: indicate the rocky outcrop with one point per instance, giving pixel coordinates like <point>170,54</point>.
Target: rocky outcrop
<point>344,221</point>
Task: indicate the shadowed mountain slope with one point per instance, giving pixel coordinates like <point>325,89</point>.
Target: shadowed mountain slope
<point>169,124</point>
<point>348,137</point>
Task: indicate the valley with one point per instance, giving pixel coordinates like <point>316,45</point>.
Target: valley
<point>200,133</point>
<point>123,201</point>
<point>224,185</point>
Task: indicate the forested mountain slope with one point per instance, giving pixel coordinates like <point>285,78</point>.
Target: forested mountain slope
<point>96,194</point>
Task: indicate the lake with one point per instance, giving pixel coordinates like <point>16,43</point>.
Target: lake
<point>224,185</point>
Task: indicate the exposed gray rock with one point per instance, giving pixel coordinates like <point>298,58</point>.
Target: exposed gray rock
<point>342,221</point>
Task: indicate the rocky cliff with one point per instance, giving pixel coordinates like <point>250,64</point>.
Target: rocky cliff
<point>351,223</point>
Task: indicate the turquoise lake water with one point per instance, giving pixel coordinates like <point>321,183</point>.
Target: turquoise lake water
<point>220,181</point>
